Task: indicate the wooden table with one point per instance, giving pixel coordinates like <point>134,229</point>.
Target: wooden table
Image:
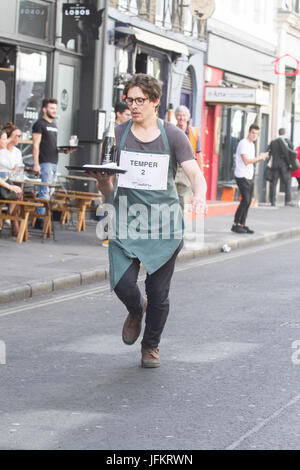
<point>82,200</point>
<point>48,227</point>
<point>80,178</point>
<point>27,208</point>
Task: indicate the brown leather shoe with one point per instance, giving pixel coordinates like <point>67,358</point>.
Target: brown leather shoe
<point>132,326</point>
<point>150,357</point>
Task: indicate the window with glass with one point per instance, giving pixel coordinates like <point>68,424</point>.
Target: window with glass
<point>164,13</point>
<point>235,125</point>
<point>34,19</point>
<point>129,6</point>
<point>190,24</point>
<point>154,67</point>
<point>121,73</point>
<point>296,6</point>
<point>31,75</point>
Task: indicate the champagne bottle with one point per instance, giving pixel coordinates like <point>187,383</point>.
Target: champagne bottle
<point>108,151</point>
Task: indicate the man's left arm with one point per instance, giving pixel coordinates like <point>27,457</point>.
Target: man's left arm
<point>198,184</point>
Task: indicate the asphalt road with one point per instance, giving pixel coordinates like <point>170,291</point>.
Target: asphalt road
<point>229,375</point>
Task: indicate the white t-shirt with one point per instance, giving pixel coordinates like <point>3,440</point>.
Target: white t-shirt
<point>241,170</point>
<point>8,159</point>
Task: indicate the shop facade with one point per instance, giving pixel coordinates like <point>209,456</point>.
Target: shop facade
<point>173,54</point>
<point>34,64</point>
<point>48,49</point>
<point>238,90</point>
<point>287,85</point>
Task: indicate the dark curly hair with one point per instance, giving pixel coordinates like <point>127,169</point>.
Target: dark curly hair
<point>9,128</point>
<point>149,85</point>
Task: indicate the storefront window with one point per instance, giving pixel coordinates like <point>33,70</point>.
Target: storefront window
<point>31,76</point>
<point>154,67</point>
<point>33,19</point>
<point>2,92</point>
<point>122,61</point>
<point>235,125</point>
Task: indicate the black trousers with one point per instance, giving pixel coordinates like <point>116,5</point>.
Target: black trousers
<point>157,291</point>
<point>246,189</point>
<point>285,174</point>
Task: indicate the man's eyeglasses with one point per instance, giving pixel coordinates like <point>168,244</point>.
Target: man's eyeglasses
<point>137,101</point>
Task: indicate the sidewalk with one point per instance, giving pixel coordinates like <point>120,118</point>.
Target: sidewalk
<point>74,259</point>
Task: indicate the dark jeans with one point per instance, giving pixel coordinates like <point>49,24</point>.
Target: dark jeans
<point>246,189</point>
<point>157,291</point>
<point>285,174</point>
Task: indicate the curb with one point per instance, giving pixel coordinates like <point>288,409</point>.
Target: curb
<point>87,277</point>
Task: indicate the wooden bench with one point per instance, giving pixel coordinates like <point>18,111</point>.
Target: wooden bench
<point>82,201</point>
<point>26,208</point>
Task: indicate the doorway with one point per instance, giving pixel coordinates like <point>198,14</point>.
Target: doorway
<point>68,103</point>
<point>236,121</point>
<point>186,95</point>
<point>264,140</point>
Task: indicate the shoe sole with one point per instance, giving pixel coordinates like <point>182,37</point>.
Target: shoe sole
<point>129,343</point>
<point>149,365</point>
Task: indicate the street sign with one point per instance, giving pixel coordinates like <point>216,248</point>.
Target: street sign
<point>230,95</point>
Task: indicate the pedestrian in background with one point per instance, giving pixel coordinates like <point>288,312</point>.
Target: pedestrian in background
<point>279,149</point>
<point>296,174</point>
<point>244,176</point>
<point>123,113</point>
<point>183,186</point>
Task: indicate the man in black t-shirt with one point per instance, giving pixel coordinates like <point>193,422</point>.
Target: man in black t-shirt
<point>44,135</point>
<point>45,152</point>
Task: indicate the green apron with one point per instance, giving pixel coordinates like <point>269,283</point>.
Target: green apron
<point>152,250</point>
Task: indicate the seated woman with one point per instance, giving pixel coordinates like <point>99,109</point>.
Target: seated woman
<point>10,159</point>
<point>3,145</point>
<point>10,156</point>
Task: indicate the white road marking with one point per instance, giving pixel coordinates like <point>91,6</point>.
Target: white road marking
<point>187,265</point>
<point>64,298</point>
<point>263,423</point>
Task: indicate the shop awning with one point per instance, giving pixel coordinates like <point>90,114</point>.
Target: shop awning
<point>160,42</point>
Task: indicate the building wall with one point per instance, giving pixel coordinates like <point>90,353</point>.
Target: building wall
<point>288,43</point>
<point>251,20</point>
<point>176,68</point>
<point>242,41</point>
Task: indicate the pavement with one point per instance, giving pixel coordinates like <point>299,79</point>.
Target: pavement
<point>74,259</point>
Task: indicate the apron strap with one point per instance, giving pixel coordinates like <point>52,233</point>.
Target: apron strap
<point>123,140</point>
<point>164,136</point>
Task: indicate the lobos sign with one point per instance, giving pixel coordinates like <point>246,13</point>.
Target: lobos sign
<point>76,11</point>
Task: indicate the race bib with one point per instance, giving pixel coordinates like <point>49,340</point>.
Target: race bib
<point>144,171</point>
